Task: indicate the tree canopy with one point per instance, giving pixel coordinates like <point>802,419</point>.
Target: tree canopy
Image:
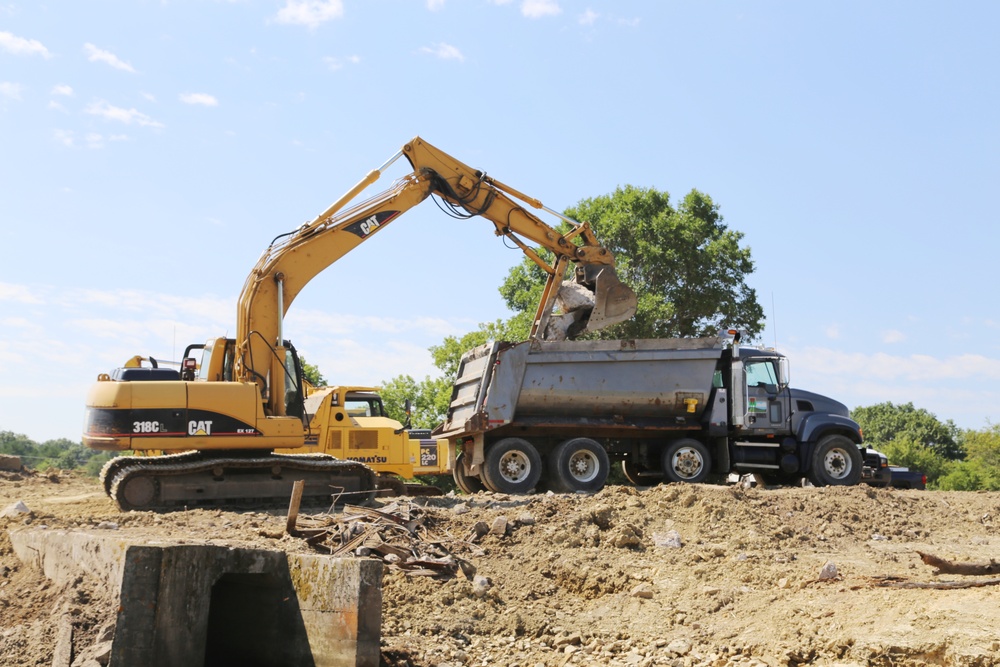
<point>686,266</point>
<point>884,423</point>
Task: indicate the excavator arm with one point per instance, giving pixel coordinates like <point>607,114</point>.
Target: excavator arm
<point>293,259</point>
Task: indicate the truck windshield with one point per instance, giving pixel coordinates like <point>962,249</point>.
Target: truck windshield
<point>761,372</point>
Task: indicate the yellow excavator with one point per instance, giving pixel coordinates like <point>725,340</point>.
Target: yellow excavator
<point>242,425</point>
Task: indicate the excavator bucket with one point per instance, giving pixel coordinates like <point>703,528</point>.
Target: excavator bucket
<point>614,301</point>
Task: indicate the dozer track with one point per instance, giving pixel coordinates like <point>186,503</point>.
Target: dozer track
<point>198,479</point>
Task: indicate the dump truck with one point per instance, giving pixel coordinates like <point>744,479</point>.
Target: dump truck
<point>556,414</point>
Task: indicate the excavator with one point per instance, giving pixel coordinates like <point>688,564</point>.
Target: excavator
<point>242,426</point>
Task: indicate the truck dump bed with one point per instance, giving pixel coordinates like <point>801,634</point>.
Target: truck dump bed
<point>499,383</point>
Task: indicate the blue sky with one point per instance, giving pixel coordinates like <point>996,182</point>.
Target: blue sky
<point>150,150</point>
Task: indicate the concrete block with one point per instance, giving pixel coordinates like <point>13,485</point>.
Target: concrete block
<point>209,605</point>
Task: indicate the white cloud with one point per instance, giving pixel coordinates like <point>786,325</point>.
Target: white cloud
<point>96,55</point>
<point>339,63</point>
<point>64,137</point>
<point>20,294</point>
<point>915,368</point>
<point>199,98</point>
<point>55,106</point>
<point>589,17</point>
<point>11,91</point>
<point>310,13</point>
<point>832,331</point>
<point>20,46</point>
<point>128,116</point>
<point>435,5</point>
<point>535,9</point>
<point>62,89</point>
<point>444,51</point>
<point>148,97</point>
<point>893,336</point>
<point>339,324</point>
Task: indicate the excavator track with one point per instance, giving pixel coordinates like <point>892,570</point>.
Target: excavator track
<point>200,479</point>
<point>119,463</point>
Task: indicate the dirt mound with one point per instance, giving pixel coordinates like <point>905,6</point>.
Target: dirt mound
<point>671,575</point>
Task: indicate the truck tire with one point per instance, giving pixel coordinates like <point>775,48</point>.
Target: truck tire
<point>686,460</point>
<point>578,464</point>
<point>512,465</point>
<point>465,483</point>
<point>640,475</point>
<point>836,461</point>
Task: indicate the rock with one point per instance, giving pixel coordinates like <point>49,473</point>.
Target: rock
<point>98,654</point>
<point>644,591</point>
<point>829,571</point>
<point>499,526</point>
<point>107,525</point>
<point>669,540</point>
<point>461,508</point>
<point>15,510</point>
<point>481,585</point>
<point>572,639</point>
<point>679,646</point>
<point>478,530</point>
<point>526,519</point>
<point>601,515</point>
<point>10,462</point>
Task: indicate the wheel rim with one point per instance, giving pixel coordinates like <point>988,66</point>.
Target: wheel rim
<point>837,463</point>
<point>686,462</point>
<point>515,467</point>
<point>583,466</point>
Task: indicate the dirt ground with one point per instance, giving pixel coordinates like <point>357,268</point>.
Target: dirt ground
<point>683,575</point>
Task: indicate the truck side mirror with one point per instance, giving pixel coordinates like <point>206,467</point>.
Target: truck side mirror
<point>771,390</point>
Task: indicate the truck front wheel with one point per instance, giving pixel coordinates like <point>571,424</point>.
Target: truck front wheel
<point>512,465</point>
<point>579,464</point>
<point>686,460</point>
<point>836,461</point>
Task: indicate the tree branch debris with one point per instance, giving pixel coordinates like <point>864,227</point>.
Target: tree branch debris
<point>947,567</point>
<point>398,535</point>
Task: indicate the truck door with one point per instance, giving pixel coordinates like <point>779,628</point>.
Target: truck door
<point>766,399</point>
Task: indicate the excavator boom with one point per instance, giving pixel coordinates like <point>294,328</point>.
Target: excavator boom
<point>293,259</point>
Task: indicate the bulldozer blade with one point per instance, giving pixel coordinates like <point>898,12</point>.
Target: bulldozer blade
<point>614,301</point>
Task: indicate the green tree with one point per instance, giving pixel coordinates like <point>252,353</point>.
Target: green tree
<point>685,265</point>
<point>60,454</point>
<point>429,399</point>
<point>884,422</point>
<point>915,456</point>
<point>311,373</point>
<point>981,468</point>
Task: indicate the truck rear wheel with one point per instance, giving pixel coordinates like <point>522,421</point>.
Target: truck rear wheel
<point>512,465</point>
<point>579,464</point>
<point>836,461</point>
<point>686,460</point>
<point>466,483</point>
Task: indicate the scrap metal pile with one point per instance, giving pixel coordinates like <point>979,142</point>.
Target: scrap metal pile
<point>398,534</point>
